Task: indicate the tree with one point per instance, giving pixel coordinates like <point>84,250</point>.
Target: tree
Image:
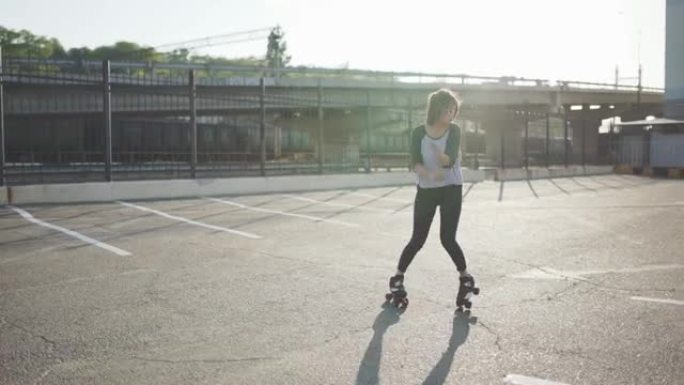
<point>180,55</point>
<point>125,50</point>
<point>276,52</point>
<point>25,44</point>
<point>79,54</point>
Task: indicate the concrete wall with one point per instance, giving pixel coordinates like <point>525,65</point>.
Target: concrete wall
<point>105,192</point>
<point>169,189</point>
<point>543,173</point>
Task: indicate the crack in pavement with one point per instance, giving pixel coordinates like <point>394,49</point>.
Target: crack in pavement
<point>27,331</point>
<point>497,342</point>
<point>559,293</point>
<point>578,278</point>
<point>78,280</point>
<point>347,333</point>
<point>543,296</point>
<point>516,261</point>
<point>577,353</point>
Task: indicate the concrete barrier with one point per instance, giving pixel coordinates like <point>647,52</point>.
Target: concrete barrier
<point>649,171</point>
<point>624,169</point>
<point>675,172</point>
<point>542,173</point>
<point>511,174</point>
<point>48,193</point>
<point>538,173</point>
<point>473,176</point>
<point>169,189</point>
<point>598,170</point>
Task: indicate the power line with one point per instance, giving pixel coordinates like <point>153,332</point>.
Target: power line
<point>226,42</point>
<point>207,41</point>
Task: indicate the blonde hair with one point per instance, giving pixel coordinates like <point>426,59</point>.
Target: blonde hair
<point>440,101</point>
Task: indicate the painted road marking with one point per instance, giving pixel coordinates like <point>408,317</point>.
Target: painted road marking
<point>26,215</point>
<point>660,300</point>
<point>302,216</point>
<point>550,273</point>
<point>380,198</point>
<point>190,221</point>
<point>303,199</point>
<point>516,379</point>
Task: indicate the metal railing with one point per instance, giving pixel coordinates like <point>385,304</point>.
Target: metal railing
<point>235,73</point>
<point>81,121</point>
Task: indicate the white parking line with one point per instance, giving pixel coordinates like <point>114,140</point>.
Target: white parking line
<point>190,221</point>
<point>302,216</point>
<point>516,379</point>
<point>660,300</point>
<point>380,198</point>
<point>549,273</point>
<point>303,199</point>
<point>26,215</point>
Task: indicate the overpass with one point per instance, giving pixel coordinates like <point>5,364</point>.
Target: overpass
<point>31,91</point>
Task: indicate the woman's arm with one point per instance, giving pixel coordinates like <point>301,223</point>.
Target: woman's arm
<point>448,158</point>
<point>417,156</point>
<point>416,139</point>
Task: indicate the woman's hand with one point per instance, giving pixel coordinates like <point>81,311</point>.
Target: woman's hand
<point>422,171</point>
<point>437,175</point>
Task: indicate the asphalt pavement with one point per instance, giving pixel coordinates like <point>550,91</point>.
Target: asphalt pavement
<point>581,283</point>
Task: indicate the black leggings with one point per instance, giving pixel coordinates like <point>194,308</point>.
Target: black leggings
<point>449,200</point>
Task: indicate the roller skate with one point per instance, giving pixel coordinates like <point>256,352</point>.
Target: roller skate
<point>466,291</point>
<point>397,295</point>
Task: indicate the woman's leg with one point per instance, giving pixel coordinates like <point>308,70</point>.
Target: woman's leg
<point>423,211</point>
<point>450,213</point>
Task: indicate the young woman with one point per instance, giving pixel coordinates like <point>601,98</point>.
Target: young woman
<point>435,158</point>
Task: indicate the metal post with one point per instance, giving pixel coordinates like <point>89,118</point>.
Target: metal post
<point>546,147</point>
<point>262,127</point>
<point>618,150</point>
<point>369,118</point>
<point>2,128</point>
<point>646,149</point>
<point>476,166</point>
<point>527,135</point>
<point>611,142</point>
<point>585,108</point>
<point>321,141</point>
<point>639,90</point>
<point>193,123</point>
<point>107,103</point>
<point>410,129</point>
<point>503,141</point>
<point>565,136</point>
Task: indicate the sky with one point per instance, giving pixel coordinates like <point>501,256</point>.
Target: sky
<point>581,40</point>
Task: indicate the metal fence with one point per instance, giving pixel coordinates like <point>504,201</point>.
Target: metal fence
<point>658,149</point>
<point>68,121</point>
